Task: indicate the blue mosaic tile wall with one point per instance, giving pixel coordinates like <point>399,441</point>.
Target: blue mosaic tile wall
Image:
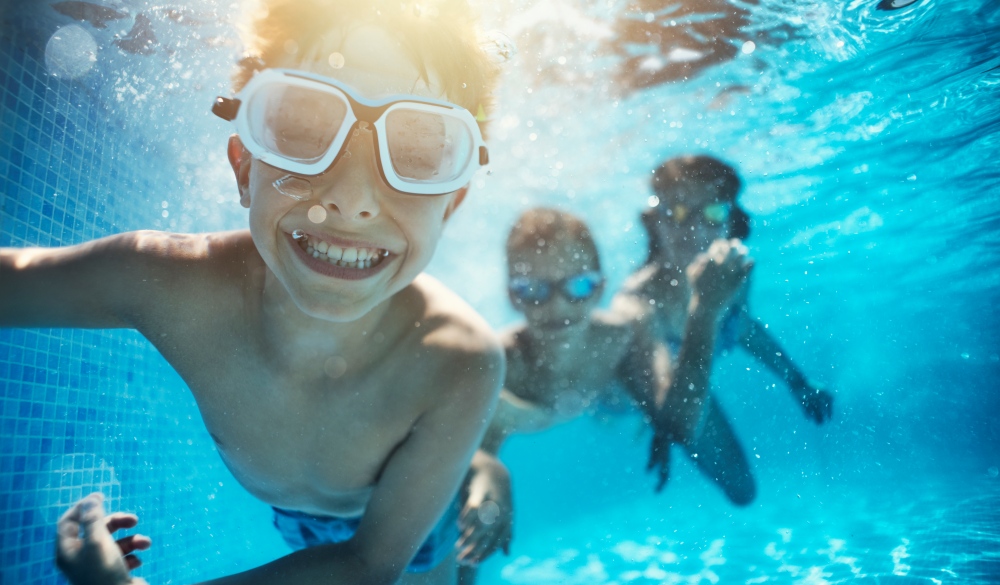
<point>99,410</point>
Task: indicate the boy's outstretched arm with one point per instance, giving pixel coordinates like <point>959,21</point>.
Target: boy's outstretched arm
<point>104,283</point>
<point>815,400</point>
<point>417,484</point>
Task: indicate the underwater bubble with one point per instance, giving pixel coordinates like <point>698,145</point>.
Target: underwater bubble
<point>71,52</point>
<point>291,47</point>
<point>993,472</point>
<point>297,188</point>
<point>749,47</point>
<point>498,47</point>
<point>335,366</point>
<point>488,512</point>
<point>653,201</point>
<point>336,60</point>
<point>317,214</point>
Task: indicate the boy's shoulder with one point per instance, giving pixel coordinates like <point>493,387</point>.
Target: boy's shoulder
<point>446,325</point>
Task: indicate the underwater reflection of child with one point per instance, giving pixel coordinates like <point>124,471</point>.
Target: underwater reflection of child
<point>695,207</point>
<point>568,358</point>
<point>341,385</point>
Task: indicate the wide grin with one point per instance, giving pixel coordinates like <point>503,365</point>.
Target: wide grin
<point>356,258</point>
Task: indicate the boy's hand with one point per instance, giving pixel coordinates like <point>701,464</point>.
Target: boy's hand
<point>816,401</point>
<point>716,275</point>
<point>87,553</point>
<point>487,519</point>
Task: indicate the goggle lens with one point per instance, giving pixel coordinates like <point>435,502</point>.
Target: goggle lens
<point>297,123</point>
<point>581,287</point>
<point>717,213</point>
<point>575,289</point>
<point>530,290</point>
<point>426,147</point>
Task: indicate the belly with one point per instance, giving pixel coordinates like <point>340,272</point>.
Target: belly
<point>313,485</point>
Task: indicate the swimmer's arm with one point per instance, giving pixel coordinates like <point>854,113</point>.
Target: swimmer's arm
<point>104,283</point>
<point>815,400</point>
<point>417,484</point>
<point>765,348</point>
<point>514,415</point>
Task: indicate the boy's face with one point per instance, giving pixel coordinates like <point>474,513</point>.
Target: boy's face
<point>551,266</point>
<point>350,207</point>
<point>698,215</point>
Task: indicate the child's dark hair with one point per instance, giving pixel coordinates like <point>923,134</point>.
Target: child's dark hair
<point>539,227</point>
<point>694,168</point>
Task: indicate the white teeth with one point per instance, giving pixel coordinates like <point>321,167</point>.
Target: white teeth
<point>357,258</point>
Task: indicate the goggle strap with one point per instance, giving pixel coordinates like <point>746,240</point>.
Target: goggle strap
<point>226,108</point>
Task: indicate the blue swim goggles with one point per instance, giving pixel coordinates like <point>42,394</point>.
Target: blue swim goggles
<point>575,288</point>
<point>300,122</point>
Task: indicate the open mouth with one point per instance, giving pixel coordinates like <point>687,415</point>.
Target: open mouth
<point>343,262</point>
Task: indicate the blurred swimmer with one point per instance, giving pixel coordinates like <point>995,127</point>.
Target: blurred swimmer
<point>342,386</point>
<point>695,209</point>
<point>568,358</point>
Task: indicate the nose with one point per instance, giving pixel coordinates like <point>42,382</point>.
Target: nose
<point>350,188</point>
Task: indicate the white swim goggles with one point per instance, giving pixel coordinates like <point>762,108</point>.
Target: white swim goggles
<point>300,122</point>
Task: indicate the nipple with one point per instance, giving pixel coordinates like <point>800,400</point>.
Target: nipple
<point>297,188</point>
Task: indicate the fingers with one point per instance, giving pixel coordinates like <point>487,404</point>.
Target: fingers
<point>132,562</point>
<point>130,544</point>
<point>120,520</point>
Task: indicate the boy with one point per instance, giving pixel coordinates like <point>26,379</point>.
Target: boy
<point>568,358</point>
<point>341,385</point>
<point>696,207</point>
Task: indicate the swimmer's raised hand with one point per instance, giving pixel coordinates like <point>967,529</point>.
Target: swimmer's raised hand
<point>717,275</point>
<point>87,553</point>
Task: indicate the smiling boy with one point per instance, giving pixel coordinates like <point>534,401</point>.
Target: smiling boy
<point>342,386</point>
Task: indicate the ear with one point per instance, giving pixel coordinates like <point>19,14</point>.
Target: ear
<point>456,201</point>
<point>240,160</point>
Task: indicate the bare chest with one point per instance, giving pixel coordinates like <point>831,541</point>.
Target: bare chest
<point>311,438</point>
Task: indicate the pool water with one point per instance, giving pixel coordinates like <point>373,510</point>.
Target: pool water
<point>869,143</point>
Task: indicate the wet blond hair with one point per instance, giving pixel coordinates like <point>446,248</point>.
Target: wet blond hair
<point>439,35</point>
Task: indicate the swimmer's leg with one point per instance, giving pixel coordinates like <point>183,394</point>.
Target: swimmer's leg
<point>444,573</point>
<point>718,454</point>
<point>467,575</point>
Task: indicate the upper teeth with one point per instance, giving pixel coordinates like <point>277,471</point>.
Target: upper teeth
<point>357,257</point>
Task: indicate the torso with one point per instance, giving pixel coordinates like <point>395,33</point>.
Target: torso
<point>568,377</point>
<point>292,433</point>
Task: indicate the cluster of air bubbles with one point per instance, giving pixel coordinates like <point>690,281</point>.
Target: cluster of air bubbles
<point>498,47</point>
<point>71,52</point>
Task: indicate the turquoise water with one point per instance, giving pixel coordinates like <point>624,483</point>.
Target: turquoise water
<point>868,141</point>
